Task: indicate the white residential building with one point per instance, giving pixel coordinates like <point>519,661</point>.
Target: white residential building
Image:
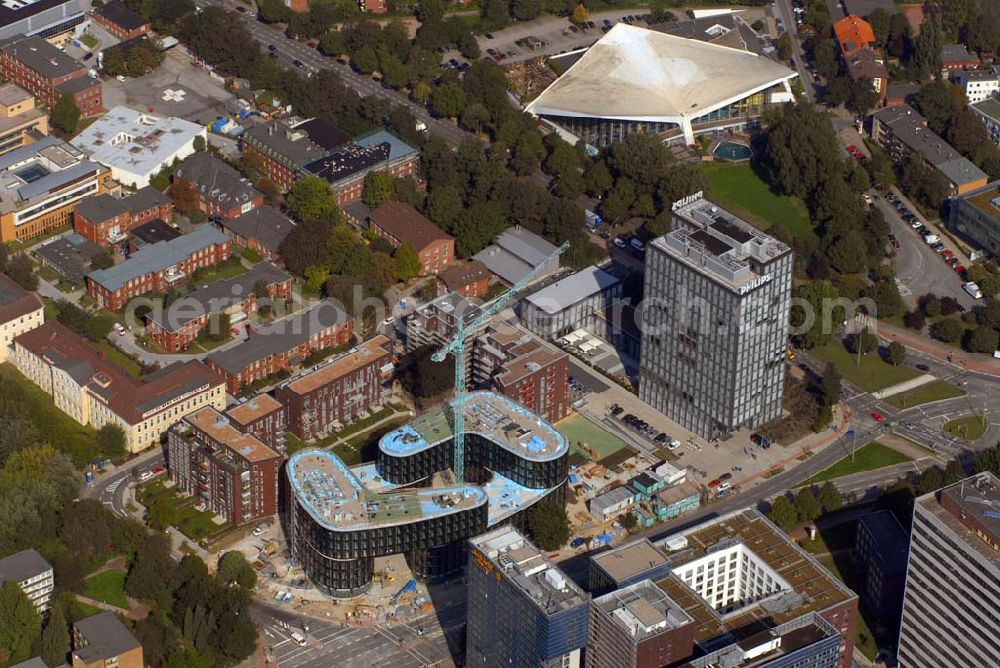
<point>32,574</point>
<point>978,85</point>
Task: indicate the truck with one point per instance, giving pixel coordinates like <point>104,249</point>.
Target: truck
<point>973,289</point>
<point>592,219</point>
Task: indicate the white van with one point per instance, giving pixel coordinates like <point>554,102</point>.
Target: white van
<point>974,290</point>
<point>299,638</point>
<point>931,239</point>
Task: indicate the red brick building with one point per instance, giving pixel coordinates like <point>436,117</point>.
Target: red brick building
<point>339,391</point>
<point>281,150</point>
<point>46,72</point>
<point>345,170</point>
<point>263,417</point>
<point>120,21</point>
<point>158,267</point>
<point>107,220</point>
<point>282,345</point>
<point>469,279</point>
<point>262,229</point>
<point>233,474</point>
<point>374,6</point>
<point>400,223</point>
<point>180,324</point>
<point>220,190</point>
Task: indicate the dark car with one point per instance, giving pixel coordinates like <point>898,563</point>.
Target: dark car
<point>923,367</point>
<point>298,63</point>
<point>272,47</point>
<point>578,542</point>
<point>591,24</point>
<point>88,56</point>
<point>488,35</point>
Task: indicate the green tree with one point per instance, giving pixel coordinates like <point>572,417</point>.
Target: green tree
<point>948,330</point>
<point>896,353</point>
<point>55,637</point>
<point>310,198</point>
<point>830,497</point>
<point>22,271</point>
<point>234,567</point>
<point>46,472</point>
<point>65,115</point>
<point>111,441</point>
<point>817,316</point>
<point>783,513</point>
<point>377,188</point>
<point>848,254</point>
<point>407,262</point>
<point>20,624</point>
<point>444,206</point>
<point>365,60</point>
<point>581,14</point>
<point>785,47</point>
<point>830,384</point>
<point>549,525</point>
<point>103,259</point>
<point>807,505</point>
<point>628,521</point>
<point>862,342</point>
<point>448,100</point>
<point>983,339</point>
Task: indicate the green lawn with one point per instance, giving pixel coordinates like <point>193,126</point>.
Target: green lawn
<point>80,610</point>
<point>577,428</point>
<point>228,269</point>
<point>167,508</point>
<point>739,189</point>
<point>127,364</point>
<point>867,458</point>
<point>108,587</point>
<point>864,639</point>
<point>933,391</point>
<point>968,428</point>
<point>872,375</point>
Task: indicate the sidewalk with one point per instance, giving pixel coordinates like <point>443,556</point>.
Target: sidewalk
<point>982,363</point>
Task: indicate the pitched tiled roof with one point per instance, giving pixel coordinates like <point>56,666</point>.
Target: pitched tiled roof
<point>407,224</point>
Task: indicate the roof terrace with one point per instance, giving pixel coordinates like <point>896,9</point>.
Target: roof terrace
<point>486,413</point>
<point>337,500</point>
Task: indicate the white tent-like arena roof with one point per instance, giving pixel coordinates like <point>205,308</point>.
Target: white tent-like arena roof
<point>636,74</point>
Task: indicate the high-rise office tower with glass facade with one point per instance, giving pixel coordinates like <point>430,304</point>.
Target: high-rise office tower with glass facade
<point>951,606</point>
<point>715,321</point>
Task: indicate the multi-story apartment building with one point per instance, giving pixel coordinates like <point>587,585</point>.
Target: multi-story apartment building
<point>281,150</point>
<point>220,190</point>
<point>178,325</point>
<point>137,145</point>
<point>120,21</point>
<point>107,220</point>
<point>568,304</point>
<point>469,279</point>
<point>976,215</point>
<point>232,473</point>
<point>89,388</point>
<point>880,549</point>
<point>53,20</point>
<point>158,267</point>
<point>953,577</point>
<point>988,111</point>
<point>32,574</point>
<point>262,229</point>
<point>400,223</point>
<point>436,322</point>
<point>522,610</point>
<point>978,85</point>
<point>280,345</point>
<point>41,184</point>
<point>48,73</point>
<point>345,169</point>
<point>21,123</point>
<point>261,416</point>
<point>904,134</point>
<point>715,321</point>
<point>339,390</point>
<point>20,311</point>
<point>102,641</point>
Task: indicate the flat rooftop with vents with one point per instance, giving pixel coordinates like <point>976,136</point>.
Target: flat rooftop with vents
<point>218,427</point>
<point>971,509</point>
<point>719,243</point>
<point>336,499</point>
<point>643,610</point>
<point>491,415</point>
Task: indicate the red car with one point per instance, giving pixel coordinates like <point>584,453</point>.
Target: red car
<point>157,470</point>
<point>959,269</point>
<point>852,149</point>
<point>946,253</point>
<point>878,417</point>
<point>714,483</point>
<point>952,261</point>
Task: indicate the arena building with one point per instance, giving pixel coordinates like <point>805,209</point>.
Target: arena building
<point>637,80</point>
<point>338,519</point>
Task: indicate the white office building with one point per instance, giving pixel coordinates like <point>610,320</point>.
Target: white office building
<point>32,573</point>
<point>978,85</point>
<point>567,304</point>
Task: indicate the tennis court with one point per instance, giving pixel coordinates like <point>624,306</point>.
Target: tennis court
<point>577,428</point>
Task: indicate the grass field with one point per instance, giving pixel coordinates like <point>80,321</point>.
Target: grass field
<point>867,458</point>
<point>108,587</point>
<point>968,428</point>
<point>128,365</point>
<point>871,375</point>
<point>167,508</point>
<point>934,391</point>
<point>577,428</point>
<point>739,189</point>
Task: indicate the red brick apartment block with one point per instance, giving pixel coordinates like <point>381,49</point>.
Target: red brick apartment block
<point>469,279</point>
<point>338,391</point>
<point>262,416</point>
<point>107,220</point>
<point>120,21</point>
<point>40,68</point>
<point>400,223</point>
<point>221,190</point>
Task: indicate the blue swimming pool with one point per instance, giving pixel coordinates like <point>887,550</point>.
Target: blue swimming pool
<point>733,151</point>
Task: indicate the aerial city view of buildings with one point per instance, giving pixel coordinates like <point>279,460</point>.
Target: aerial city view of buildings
<point>499,334</point>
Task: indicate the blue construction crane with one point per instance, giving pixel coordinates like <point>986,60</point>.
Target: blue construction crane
<point>457,348</point>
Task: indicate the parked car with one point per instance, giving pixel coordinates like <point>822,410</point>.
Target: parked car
<point>947,253</point>
<point>712,484</point>
<point>578,542</point>
<point>298,63</point>
<point>488,35</point>
<point>923,367</point>
<point>878,417</point>
<point>959,268</point>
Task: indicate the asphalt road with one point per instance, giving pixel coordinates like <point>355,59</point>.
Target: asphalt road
<point>783,9</point>
<point>110,488</point>
<point>289,50</point>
